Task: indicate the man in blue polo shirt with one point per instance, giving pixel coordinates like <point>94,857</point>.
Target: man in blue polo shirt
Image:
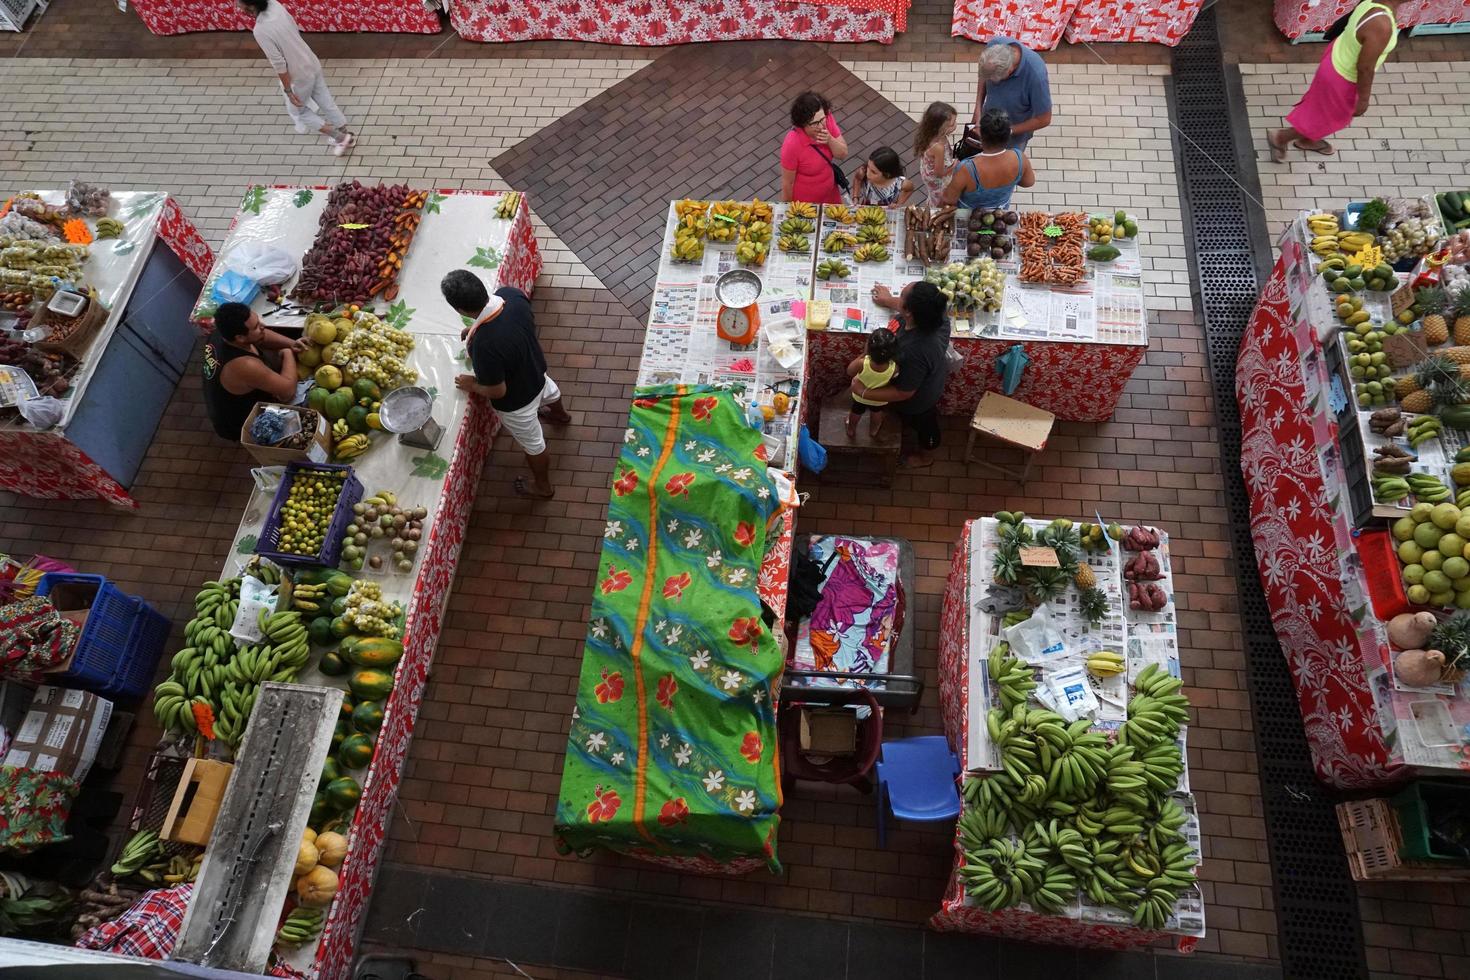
<point>1013,78</point>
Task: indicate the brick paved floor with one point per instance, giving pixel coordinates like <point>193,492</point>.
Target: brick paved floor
<point>485,768</point>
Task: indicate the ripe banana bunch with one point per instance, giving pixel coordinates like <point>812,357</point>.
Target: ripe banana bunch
<point>877,234</point>
<point>840,213</point>
<point>801,209</point>
<point>757,231</point>
<point>1352,242</point>
<point>1325,245</point>
<point>794,243</point>
<point>508,205</point>
<point>143,849</point>
<point>181,869</point>
<point>750,253</point>
<point>1322,223</point>
<point>1105,663</point>
<point>1001,874</point>
<point>795,225</point>
<point>1011,675</point>
<point>310,598</point>
<point>302,925</point>
<point>688,249</point>
<point>871,215</point>
<point>839,241</point>
<point>870,253</point>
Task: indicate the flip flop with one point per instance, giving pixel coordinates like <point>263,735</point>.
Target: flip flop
<point>1278,151</point>
<point>523,489</point>
<point>546,416</point>
<point>1318,146</point>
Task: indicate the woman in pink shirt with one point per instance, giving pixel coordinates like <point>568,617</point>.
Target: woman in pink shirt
<point>812,145</point>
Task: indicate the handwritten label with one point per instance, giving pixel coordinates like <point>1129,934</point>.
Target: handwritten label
<point>1402,299</point>
<point>1369,256</point>
<point>1053,231</point>
<point>1038,557</point>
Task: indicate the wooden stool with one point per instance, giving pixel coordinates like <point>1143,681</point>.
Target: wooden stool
<point>884,448</point>
<point>1014,423</point>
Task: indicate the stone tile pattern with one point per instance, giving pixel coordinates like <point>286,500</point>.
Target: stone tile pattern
<point>1397,147</point>
<point>204,129</point>
<point>1109,146</point>
<point>602,175</point>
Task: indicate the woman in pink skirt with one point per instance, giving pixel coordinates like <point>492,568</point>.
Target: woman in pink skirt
<point>1343,85</point>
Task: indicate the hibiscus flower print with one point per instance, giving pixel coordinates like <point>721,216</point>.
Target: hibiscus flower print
<point>604,806</point>
<point>667,688</point>
<point>673,813</point>
<point>678,484</point>
<point>744,534</point>
<point>751,747</point>
<point>644,402</point>
<point>703,407</point>
<point>761,454</point>
<point>626,483</point>
<point>675,585</point>
<point>616,580</point>
<point>610,689</point>
<point>744,631</point>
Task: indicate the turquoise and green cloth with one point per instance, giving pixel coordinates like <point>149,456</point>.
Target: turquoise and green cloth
<point>672,754</point>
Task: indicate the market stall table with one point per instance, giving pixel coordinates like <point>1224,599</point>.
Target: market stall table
<point>392,16</point>
<point>661,22</point>
<point>1150,21</point>
<point>969,633</point>
<point>1083,342</point>
<point>690,781</point>
<point>146,279</point>
<point>1299,18</point>
<point>1365,728</point>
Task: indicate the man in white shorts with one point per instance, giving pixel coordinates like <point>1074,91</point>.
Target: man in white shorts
<point>510,369</point>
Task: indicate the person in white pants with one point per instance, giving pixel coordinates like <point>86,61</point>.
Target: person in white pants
<point>303,87</point>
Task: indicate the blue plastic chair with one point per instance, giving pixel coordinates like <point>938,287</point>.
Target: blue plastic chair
<point>917,778</point>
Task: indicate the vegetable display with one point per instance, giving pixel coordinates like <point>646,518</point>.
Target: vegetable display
<point>1051,247</point>
<point>362,238</point>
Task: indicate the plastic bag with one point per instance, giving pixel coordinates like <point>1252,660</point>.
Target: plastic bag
<point>1036,640</point>
<point>232,287</point>
<point>42,412</point>
<point>264,264</point>
<point>813,454</point>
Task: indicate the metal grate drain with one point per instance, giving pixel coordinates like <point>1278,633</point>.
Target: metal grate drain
<point>1317,919</point>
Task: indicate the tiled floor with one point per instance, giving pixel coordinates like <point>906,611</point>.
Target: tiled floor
<point>485,763</point>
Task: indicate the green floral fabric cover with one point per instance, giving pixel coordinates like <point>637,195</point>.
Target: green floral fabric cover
<point>672,753</point>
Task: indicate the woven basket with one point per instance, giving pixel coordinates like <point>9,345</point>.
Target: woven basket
<point>72,336</point>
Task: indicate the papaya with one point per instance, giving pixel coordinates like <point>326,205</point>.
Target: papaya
<point>343,794</point>
<point>375,651</point>
<point>368,717</point>
<point>345,647</point>
<point>342,731</point>
<point>370,684</point>
<point>1456,417</point>
<point>356,751</point>
<point>338,583</point>
<point>365,388</point>
<point>347,705</point>
<point>339,605</point>
<point>1103,253</point>
<point>320,631</point>
<point>316,399</point>
<point>332,664</point>
<point>357,418</point>
<point>341,627</point>
<point>337,404</point>
<point>330,771</point>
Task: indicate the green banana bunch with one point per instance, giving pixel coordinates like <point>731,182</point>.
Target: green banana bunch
<point>1001,873</point>
<point>1015,617</point>
<point>302,925</point>
<point>142,849</point>
<point>1011,675</point>
<point>1426,487</point>
<point>1389,489</point>
<point>1422,429</point>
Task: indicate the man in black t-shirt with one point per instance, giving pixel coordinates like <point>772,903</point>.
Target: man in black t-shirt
<point>923,365</point>
<point>510,369</point>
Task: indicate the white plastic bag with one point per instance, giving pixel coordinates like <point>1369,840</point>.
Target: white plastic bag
<point>42,412</point>
<point>1035,639</point>
<point>266,264</point>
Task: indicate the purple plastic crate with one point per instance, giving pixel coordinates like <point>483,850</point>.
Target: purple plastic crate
<point>331,553</point>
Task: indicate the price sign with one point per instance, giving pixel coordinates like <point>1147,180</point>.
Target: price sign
<point>1053,231</point>
<point>1038,557</point>
<point>1369,256</point>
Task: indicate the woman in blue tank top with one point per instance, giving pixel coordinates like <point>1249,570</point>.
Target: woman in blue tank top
<point>987,179</point>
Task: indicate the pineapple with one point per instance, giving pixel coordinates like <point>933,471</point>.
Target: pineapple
<point>1085,578</point>
<point>1094,605</point>
<point>1436,331</point>
<point>1452,638</point>
<point>1045,584</point>
<point>1461,308</point>
<point>1007,567</point>
<point>1431,384</point>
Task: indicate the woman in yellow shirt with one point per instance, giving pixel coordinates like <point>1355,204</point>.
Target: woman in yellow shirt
<point>1343,85</point>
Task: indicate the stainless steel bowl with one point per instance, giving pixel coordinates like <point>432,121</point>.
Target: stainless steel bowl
<point>405,409</point>
<point>738,288</point>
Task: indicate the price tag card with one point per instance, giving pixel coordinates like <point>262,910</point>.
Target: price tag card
<point>1037,557</point>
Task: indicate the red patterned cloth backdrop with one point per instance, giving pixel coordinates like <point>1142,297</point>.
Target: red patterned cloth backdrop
<point>1156,21</point>
<point>659,22</point>
<point>45,465</point>
<point>1303,535</point>
<point>1078,382</point>
<point>1036,23</point>
<point>1297,17</point>
<point>421,631</point>
<point>522,263</point>
<point>954,649</point>
<point>393,16</point>
<point>179,233</point>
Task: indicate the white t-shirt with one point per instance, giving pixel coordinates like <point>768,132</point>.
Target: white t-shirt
<point>279,37</point>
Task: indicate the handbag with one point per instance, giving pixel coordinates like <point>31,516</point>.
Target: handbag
<point>968,144</point>
<point>838,176</point>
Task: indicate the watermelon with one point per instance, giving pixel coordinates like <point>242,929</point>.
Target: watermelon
<point>332,664</point>
<point>343,794</point>
<point>375,651</point>
<point>356,751</point>
<point>370,684</point>
<point>330,771</point>
<point>339,605</point>
<point>368,717</point>
<point>321,812</point>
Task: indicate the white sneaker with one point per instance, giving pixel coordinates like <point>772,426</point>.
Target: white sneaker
<point>300,130</point>
<point>344,144</point>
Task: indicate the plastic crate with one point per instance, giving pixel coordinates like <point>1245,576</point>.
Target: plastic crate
<point>1370,835</point>
<point>105,653</point>
<point>1415,808</point>
<point>1384,574</point>
<point>331,552</point>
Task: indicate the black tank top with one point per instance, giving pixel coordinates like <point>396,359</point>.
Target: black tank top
<point>227,410</point>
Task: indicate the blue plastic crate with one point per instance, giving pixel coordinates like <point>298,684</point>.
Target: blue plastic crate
<point>121,639</point>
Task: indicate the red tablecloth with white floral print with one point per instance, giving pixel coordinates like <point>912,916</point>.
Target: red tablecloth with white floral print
<point>393,16</point>
<point>1038,24</point>
<point>1074,380</point>
<point>1297,17</point>
<point>1156,21</point>
<point>659,22</point>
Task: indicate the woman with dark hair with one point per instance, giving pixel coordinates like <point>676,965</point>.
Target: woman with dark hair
<point>880,182</point>
<point>932,147</point>
<point>808,154</point>
<point>988,179</point>
<point>923,365</point>
<point>308,100</point>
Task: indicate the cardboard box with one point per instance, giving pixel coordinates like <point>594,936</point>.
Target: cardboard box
<point>61,732</point>
<point>197,801</point>
<point>318,450</point>
<point>828,731</point>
